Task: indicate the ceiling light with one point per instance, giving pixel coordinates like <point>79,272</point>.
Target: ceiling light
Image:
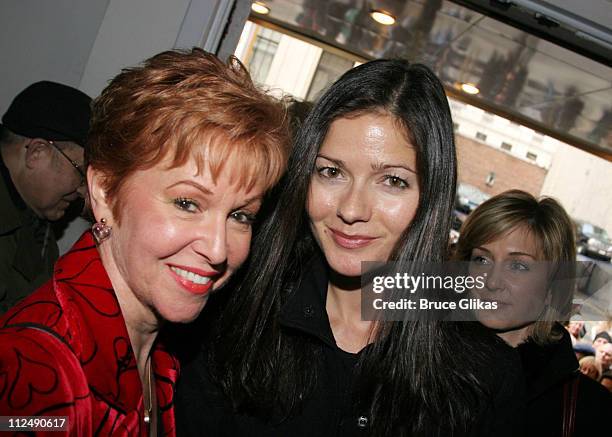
<point>470,88</point>
<point>382,17</point>
<point>260,8</point>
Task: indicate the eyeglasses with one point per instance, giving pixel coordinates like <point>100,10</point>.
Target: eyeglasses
<point>73,162</point>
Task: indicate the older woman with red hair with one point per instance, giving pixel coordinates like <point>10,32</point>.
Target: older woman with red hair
<point>181,151</point>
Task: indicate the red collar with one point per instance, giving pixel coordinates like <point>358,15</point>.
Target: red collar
<point>83,309</point>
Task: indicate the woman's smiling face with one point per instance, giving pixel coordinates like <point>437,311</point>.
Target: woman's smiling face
<point>181,234</point>
<point>364,190</point>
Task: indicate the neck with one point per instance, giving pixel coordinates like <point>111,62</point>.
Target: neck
<point>343,306</point>
<point>516,336</point>
<point>141,323</point>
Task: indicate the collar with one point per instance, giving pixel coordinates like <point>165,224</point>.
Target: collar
<point>97,333</point>
<point>304,308</point>
<point>547,366</point>
<point>12,203</point>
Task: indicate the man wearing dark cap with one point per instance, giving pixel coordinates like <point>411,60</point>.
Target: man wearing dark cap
<point>42,170</point>
<point>600,339</point>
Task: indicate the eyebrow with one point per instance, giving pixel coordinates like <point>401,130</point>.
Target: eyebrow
<point>194,184</point>
<point>338,162</point>
<point>251,200</point>
<point>375,166</point>
<point>515,253</point>
<point>380,166</point>
<point>205,190</point>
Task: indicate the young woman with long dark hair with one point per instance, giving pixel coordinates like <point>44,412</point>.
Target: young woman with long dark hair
<point>371,178</point>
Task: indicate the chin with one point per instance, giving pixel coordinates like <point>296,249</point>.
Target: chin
<point>184,314</point>
<point>347,268</point>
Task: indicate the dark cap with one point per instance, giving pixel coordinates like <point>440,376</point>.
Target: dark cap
<point>603,334</point>
<point>51,111</point>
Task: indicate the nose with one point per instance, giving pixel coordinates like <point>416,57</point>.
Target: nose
<point>495,278</point>
<point>211,241</point>
<point>354,204</point>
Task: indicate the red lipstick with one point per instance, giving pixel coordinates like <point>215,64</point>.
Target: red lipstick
<point>350,241</point>
<point>189,284</point>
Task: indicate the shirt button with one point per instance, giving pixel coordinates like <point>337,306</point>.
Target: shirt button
<point>308,311</point>
<point>362,422</point>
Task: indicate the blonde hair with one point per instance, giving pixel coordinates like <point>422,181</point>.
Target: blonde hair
<point>553,231</point>
<point>590,362</point>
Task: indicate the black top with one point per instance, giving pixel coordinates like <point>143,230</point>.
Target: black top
<point>547,369</point>
<point>330,411</point>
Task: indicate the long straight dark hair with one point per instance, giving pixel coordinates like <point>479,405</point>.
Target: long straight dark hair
<point>413,379</point>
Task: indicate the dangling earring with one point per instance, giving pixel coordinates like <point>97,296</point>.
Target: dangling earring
<point>101,231</point>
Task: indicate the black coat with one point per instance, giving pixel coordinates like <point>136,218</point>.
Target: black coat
<point>330,411</point>
<point>547,369</point>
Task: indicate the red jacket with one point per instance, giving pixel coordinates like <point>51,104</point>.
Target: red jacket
<point>74,357</point>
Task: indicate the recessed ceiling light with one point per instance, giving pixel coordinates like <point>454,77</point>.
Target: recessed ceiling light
<point>470,88</point>
<point>382,17</point>
<point>260,8</point>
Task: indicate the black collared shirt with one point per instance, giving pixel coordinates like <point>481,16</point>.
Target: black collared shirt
<point>330,411</point>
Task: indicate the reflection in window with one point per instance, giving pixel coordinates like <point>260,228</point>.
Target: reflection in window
<point>330,68</point>
<point>532,156</point>
<point>264,48</point>
<point>480,136</point>
<point>506,146</point>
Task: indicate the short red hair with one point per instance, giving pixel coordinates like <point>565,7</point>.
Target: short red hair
<point>191,104</point>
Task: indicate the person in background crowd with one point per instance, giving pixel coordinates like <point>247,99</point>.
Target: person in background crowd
<point>603,356</point>
<point>42,170</point>
<point>181,151</point>
<point>590,368</point>
<point>600,326</point>
<point>601,339</point>
<point>576,330</point>
<point>521,244</point>
<point>371,178</point>
<point>583,350</point>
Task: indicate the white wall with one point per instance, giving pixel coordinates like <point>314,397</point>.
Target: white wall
<point>45,40</point>
<point>582,182</point>
<point>132,31</point>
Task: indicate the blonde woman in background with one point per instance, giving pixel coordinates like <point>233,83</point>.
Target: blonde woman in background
<point>519,242</point>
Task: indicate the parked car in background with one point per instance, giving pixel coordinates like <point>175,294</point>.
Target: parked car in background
<point>592,241</point>
<point>468,198</point>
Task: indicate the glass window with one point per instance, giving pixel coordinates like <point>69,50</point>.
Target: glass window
<point>264,48</point>
<point>480,136</point>
<point>330,68</point>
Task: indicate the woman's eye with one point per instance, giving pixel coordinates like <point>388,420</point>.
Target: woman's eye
<point>186,204</point>
<point>395,182</point>
<point>243,218</point>
<point>519,266</point>
<point>477,259</point>
<point>329,172</point>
